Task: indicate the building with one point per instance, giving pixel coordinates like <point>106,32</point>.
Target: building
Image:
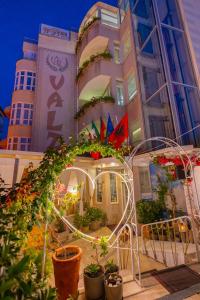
<point>137,59</point>
<point>2,116</point>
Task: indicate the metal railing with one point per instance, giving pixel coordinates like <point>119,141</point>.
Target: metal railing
<point>171,242</point>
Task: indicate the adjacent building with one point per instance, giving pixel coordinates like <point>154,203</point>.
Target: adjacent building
<point>2,118</point>
<point>141,58</point>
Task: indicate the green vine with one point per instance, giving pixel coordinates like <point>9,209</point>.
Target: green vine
<point>23,207</point>
<point>93,58</point>
<point>83,31</point>
<point>93,102</point>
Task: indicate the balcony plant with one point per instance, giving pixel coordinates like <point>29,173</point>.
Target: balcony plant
<point>83,31</point>
<point>93,58</point>
<point>114,287</point>
<point>94,101</point>
<point>66,262</point>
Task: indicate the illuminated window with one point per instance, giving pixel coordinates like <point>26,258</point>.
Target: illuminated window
<point>109,18</point>
<point>113,188</point>
<point>145,185</point>
<point>132,88</point>
<point>99,185</point>
<point>126,42</point>
<point>120,93</point>
<point>117,54</point>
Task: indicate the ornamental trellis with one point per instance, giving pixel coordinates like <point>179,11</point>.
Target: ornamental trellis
<point>128,220</point>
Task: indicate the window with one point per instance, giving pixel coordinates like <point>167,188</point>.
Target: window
<point>21,114</point>
<point>19,143</point>
<point>99,185</point>
<point>117,54</point>
<point>25,81</point>
<point>126,41</point>
<point>145,186</point>
<point>109,18</point>
<point>120,93</point>
<point>113,188</point>
<point>132,88</point>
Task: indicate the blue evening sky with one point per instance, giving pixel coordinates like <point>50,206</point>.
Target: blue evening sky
<point>21,18</point>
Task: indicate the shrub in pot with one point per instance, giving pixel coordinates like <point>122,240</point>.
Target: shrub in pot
<point>114,287</point>
<point>66,262</point>
<point>111,267</point>
<point>81,222</point>
<point>96,217</point>
<point>94,282</point>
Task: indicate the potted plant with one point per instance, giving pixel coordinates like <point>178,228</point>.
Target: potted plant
<point>93,273</point>
<point>66,262</point>
<point>81,222</point>
<point>114,287</point>
<point>94,282</point>
<point>111,267</point>
<point>96,217</point>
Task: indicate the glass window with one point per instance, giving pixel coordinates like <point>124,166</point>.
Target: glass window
<point>188,103</point>
<point>145,186</point>
<point>126,42</point>
<point>22,143</point>
<point>169,12</point>
<point>99,185</point>
<point>132,88</point>
<point>109,18</point>
<point>113,188</point>
<point>117,54</point>
<point>178,57</point>
<point>21,114</point>
<point>120,93</point>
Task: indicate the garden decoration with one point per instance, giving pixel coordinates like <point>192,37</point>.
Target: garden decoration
<point>21,208</point>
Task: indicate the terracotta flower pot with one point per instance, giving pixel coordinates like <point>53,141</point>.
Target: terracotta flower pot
<point>66,262</point>
<point>94,287</point>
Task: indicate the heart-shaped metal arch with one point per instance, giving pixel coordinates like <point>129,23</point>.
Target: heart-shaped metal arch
<point>93,181</point>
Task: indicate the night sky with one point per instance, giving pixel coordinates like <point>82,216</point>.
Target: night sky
<point>22,18</point>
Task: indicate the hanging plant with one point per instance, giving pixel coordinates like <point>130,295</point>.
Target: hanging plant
<point>93,58</point>
<point>93,102</point>
<point>83,31</point>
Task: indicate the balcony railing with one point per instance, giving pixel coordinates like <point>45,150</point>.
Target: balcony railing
<point>92,103</point>
<point>94,58</point>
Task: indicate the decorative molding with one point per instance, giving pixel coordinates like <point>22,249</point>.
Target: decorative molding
<point>57,63</point>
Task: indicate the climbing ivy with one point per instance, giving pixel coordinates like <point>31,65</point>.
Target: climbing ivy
<point>24,206</point>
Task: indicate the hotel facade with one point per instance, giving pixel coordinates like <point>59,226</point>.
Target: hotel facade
<point>141,58</point>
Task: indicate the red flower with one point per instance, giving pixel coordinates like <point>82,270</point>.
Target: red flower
<point>95,155</point>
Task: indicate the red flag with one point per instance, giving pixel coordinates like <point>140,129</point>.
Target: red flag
<point>102,130</point>
<point>120,133</point>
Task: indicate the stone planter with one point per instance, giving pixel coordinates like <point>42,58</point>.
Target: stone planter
<point>114,287</point>
<point>66,263</point>
<point>94,287</point>
<point>95,225</point>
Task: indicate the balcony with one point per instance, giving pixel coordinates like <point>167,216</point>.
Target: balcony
<point>95,39</point>
<point>96,77</point>
<point>101,109</point>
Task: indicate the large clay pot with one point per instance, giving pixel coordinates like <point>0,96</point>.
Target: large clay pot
<point>94,287</point>
<point>66,262</point>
